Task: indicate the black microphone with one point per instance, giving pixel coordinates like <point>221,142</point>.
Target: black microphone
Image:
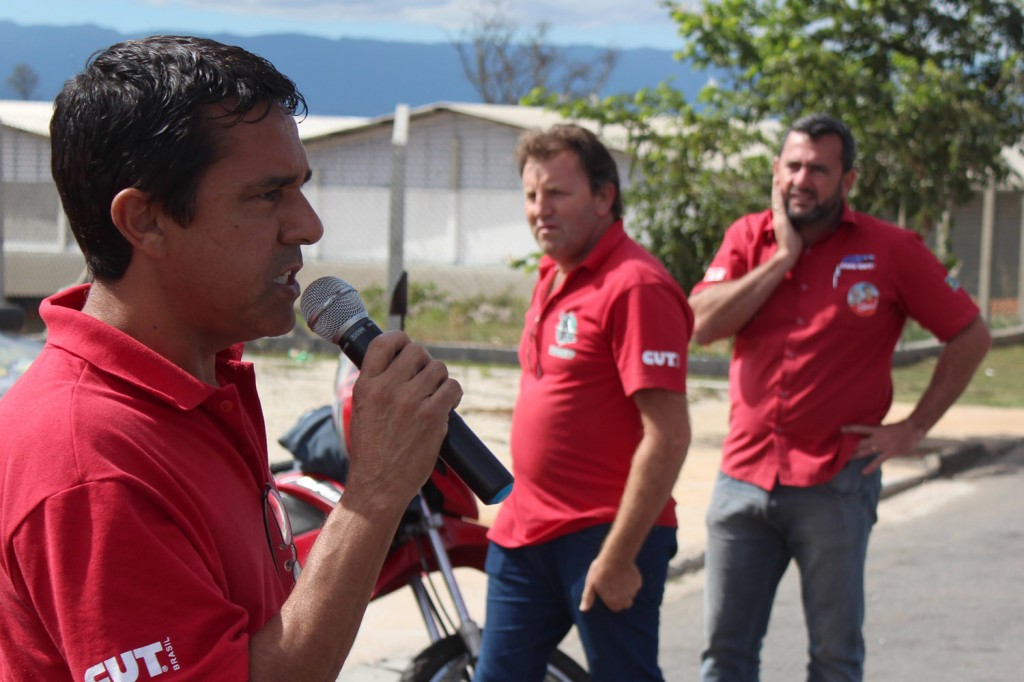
<point>333,310</point>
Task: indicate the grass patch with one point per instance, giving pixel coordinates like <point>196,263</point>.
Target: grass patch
<point>436,317</point>
<point>997,383</point>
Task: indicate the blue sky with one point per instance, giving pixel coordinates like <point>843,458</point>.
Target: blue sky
<point>606,23</point>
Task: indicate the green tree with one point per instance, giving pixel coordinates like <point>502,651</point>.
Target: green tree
<point>933,91</point>
<point>692,173</point>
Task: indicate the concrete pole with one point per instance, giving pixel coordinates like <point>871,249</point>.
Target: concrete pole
<point>1020,267</point>
<point>454,186</point>
<point>942,233</point>
<point>3,282</point>
<point>988,222</point>
<point>396,231</point>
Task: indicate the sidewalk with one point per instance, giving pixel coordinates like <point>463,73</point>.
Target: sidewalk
<point>392,631</point>
<point>963,435</point>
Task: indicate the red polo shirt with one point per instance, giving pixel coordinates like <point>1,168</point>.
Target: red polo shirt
<point>818,354</point>
<point>132,536</point>
<point>618,323</point>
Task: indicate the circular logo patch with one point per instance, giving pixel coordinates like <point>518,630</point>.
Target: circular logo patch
<point>863,299</point>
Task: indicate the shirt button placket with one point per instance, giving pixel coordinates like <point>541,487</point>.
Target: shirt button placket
<point>782,394</point>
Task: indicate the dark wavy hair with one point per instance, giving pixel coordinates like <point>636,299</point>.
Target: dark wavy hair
<point>818,125</point>
<point>595,158</point>
<point>141,116</point>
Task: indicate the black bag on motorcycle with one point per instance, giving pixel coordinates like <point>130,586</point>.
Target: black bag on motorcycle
<point>313,441</point>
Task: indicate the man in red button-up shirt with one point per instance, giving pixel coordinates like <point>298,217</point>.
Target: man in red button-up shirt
<point>816,296</point>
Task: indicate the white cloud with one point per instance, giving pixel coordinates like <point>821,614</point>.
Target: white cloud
<point>448,15</point>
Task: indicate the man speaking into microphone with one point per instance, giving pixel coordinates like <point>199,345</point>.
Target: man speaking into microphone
<point>599,431</point>
<point>137,510</point>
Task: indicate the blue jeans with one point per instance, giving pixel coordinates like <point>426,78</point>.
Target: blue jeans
<point>533,596</point>
<point>752,536</point>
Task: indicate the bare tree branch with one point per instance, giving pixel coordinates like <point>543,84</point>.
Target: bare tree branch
<point>504,62</point>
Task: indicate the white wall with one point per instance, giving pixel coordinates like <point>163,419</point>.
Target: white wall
<point>471,227</point>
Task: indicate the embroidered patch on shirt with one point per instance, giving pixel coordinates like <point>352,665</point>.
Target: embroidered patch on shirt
<point>565,332</point>
<point>563,353</point>
<point>714,275</point>
<point>859,261</point>
<point>863,299</point>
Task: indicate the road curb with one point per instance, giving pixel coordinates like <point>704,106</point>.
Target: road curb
<point>942,458</point>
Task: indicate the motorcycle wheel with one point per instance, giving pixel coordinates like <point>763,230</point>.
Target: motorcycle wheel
<point>447,660</point>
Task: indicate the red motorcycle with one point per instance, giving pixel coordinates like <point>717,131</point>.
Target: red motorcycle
<point>439,532</point>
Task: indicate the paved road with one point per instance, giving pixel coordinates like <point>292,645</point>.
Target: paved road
<point>945,589</point>
<point>945,598</point>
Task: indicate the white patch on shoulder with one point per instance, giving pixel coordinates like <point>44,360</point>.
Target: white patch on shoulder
<point>714,275</point>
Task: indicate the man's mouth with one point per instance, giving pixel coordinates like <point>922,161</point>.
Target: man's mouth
<point>286,278</point>
<point>803,198</point>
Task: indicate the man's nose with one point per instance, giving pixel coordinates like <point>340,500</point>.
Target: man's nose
<point>543,203</point>
<point>303,225</point>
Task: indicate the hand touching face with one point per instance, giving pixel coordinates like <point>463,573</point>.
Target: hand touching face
<point>811,180</point>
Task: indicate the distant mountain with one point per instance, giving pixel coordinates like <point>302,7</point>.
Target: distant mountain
<point>343,77</point>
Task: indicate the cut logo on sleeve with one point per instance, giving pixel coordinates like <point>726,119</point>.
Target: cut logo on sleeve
<point>156,659</point>
<point>715,274</point>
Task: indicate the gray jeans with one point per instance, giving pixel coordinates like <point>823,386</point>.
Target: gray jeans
<point>752,536</point>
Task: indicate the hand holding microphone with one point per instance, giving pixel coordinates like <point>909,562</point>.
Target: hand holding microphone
<point>333,310</point>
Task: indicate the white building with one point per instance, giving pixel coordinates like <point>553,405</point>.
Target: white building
<point>463,211</point>
<point>463,215</point>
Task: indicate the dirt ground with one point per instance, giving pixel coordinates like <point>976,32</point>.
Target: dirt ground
<point>288,387</point>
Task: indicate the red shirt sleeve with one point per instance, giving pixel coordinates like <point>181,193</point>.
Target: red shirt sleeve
<point>651,325</point>
<point>736,256</point>
<point>929,294</point>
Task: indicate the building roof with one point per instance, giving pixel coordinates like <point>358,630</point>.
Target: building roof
<point>313,127</point>
<point>1014,159</point>
<point>513,115</point>
<point>509,114</point>
<point>29,117</point>
<point>34,118</point>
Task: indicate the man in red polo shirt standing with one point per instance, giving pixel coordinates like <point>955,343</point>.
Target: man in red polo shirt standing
<point>599,432</point>
<point>816,296</point>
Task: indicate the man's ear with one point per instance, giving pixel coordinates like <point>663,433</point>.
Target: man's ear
<point>849,177</point>
<point>606,197</point>
<point>138,219</point>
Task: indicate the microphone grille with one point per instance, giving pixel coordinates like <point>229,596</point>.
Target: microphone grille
<point>330,305</point>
